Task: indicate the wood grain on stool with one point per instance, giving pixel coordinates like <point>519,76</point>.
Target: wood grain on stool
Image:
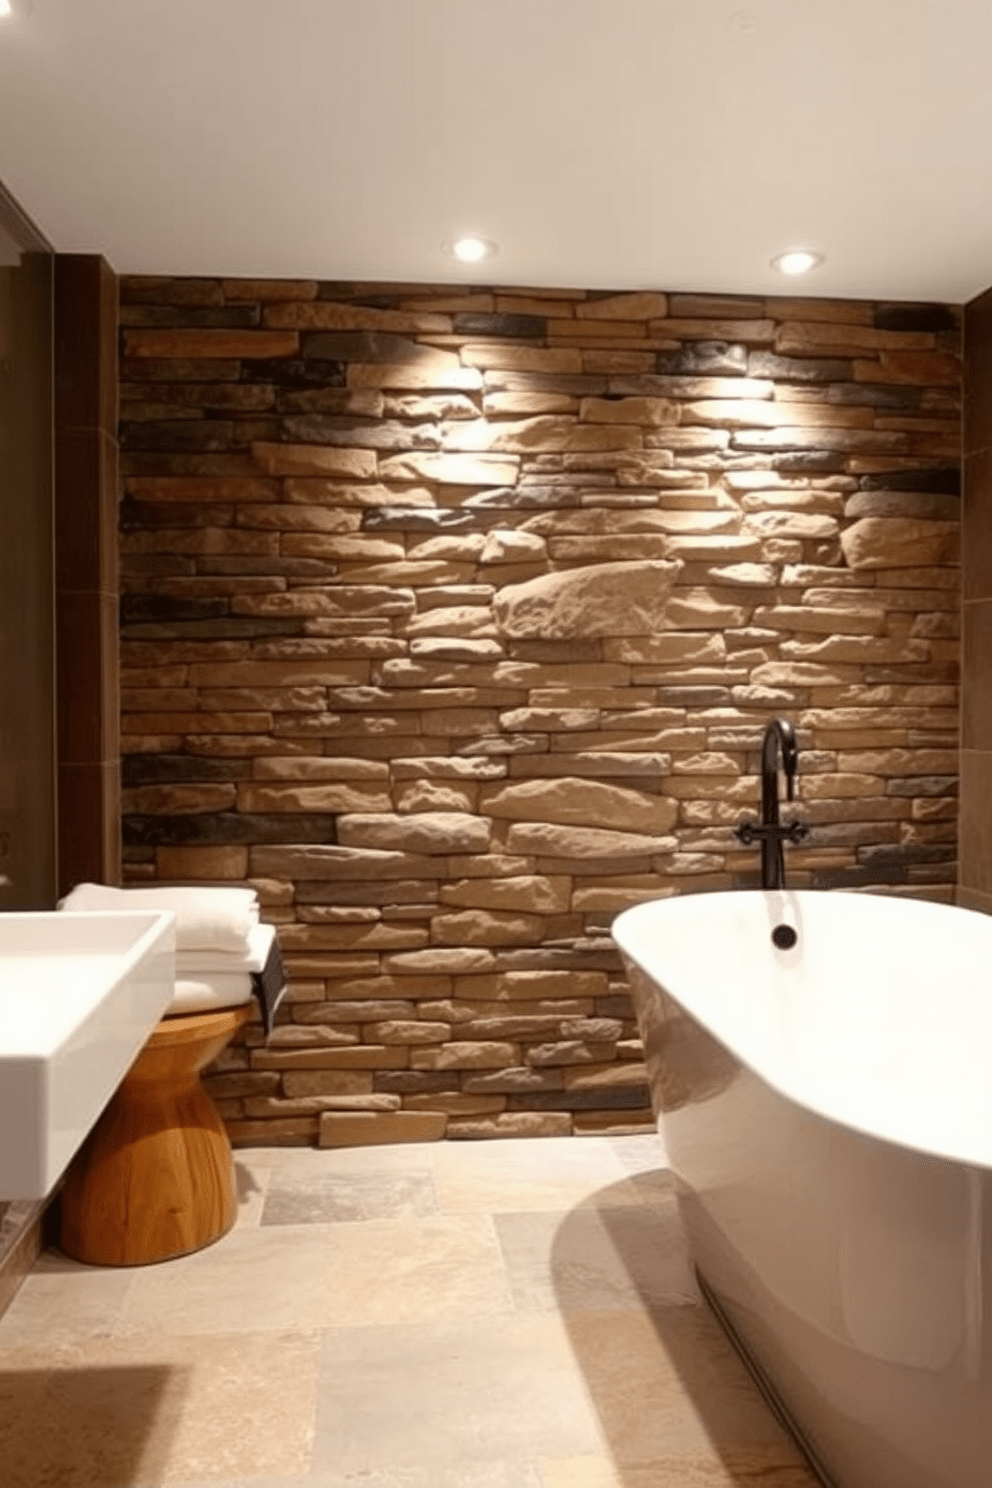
<point>155,1177</point>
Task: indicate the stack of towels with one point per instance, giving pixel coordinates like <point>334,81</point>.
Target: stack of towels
<point>224,955</point>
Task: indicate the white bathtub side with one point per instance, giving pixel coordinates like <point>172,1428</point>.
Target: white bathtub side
<point>854,1267</point>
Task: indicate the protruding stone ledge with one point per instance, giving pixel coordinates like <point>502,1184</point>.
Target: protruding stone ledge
<point>607,599</point>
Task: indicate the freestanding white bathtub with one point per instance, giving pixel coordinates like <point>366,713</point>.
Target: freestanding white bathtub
<point>828,1110</point>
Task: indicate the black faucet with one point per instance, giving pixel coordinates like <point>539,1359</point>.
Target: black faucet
<point>780,739</point>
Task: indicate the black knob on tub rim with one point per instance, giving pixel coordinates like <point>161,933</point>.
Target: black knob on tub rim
<point>784,937</point>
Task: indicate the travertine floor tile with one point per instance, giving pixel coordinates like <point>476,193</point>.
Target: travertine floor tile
<point>596,1260</point>
<point>465,1475</point>
<point>147,1411</point>
<point>439,1395</point>
<point>678,1359</point>
<point>641,1153</point>
<point>404,1271</point>
<point>62,1299</point>
<point>522,1175</point>
<point>251,1184</point>
<point>747,1467</point>
<point>252,1280</point>
<point>303,1196</point>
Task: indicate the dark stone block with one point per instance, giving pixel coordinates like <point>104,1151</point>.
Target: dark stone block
<point>798,369</point>
<point>923,785</point>
<point>188,317</point>
<point>556,653</point>
<point>416,519</point>
<point>231,628</point>
<point>413,1082</point>
<point>574,384</point>
<point>901,396</point>
<point>809,462</point>
<point>704,358</point>
<point>232,463</point>
<point>921,506</point>
<point>139,516</point>
<point>694,697</point>
<point>391,891</point>
<point>228,828</point>
<point>178,369</point>
<point>903,854</point>
<point>940,479</point>
<point>318,428</point>
<point>547,959</point>
<point>181,769</point>
<point>359,346</point>
<point>333,400</point>
<point>177,434</point>
<point>374,296</point>
<point>609,1098</point>
<point>525,327</point>
<point>287,568</point>
<point>909,317</point>
<point>853,878</point>
<point>162,289</point>
<point>522,498</point>
<point>139,607</point>
<point>294,371</point>
<point>939,672</point>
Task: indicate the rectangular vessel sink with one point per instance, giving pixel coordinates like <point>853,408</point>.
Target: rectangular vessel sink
<point>79,995</point>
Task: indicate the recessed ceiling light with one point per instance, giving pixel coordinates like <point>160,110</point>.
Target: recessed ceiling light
<point>471,249</point>
<point>6,9</point>
<point>797,261</point>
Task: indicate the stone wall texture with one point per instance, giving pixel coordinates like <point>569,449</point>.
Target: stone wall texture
<point>452,620</point>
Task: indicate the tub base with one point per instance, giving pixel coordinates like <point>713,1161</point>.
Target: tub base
<point>771,1396</point>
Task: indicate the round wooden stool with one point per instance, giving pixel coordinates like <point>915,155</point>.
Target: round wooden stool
<point>155,1177</point>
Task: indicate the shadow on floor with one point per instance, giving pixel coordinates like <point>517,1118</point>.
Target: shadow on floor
<point>73,1427</point>
<point>674,1401</point>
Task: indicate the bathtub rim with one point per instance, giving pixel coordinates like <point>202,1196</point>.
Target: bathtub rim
<point>966,1139</point>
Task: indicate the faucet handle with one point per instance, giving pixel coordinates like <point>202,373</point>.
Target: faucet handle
<point>797,830</point>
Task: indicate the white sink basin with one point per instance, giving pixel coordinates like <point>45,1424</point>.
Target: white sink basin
<point>79,995</point>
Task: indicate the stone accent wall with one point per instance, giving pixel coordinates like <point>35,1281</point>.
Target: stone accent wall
<point>452,620</point>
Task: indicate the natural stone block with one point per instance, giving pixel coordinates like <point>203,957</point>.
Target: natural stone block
<point>486,927</point>
<point>608,599</point>
<point>533,894</point>
<point>341,796</point>
<point>195,864</point>
<point>424,832</point>
<point>451,469</point>
<point>210,343</point>
<point>340,1129</point>
<point>578,802</point>
<point>341,315</point>
<point>635,306</point>
<point>897,542</point>
<point>314,459</point>
<point>545,840</point>
<point>459,1054</point>
<point>510,1124</point>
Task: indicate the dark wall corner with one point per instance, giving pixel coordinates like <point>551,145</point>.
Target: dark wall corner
<point>86,569</point>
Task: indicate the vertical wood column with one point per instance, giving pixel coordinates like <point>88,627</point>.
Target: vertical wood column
<point>86,570</point>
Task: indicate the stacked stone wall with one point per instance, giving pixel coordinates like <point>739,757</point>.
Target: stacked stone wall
<point>452,621</point>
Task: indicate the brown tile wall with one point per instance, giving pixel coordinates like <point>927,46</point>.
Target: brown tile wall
<point>975,888</point>
<point>86,570</point>
<point>452,620</point>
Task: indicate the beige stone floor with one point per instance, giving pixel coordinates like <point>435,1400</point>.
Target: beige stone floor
<point>512,1314</point>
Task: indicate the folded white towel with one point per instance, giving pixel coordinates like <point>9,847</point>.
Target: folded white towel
<point>251,957</point>
<point>206,919</point>
<point>207,994</point>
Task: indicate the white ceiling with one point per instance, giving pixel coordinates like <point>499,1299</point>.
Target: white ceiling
<point>669,144</point>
